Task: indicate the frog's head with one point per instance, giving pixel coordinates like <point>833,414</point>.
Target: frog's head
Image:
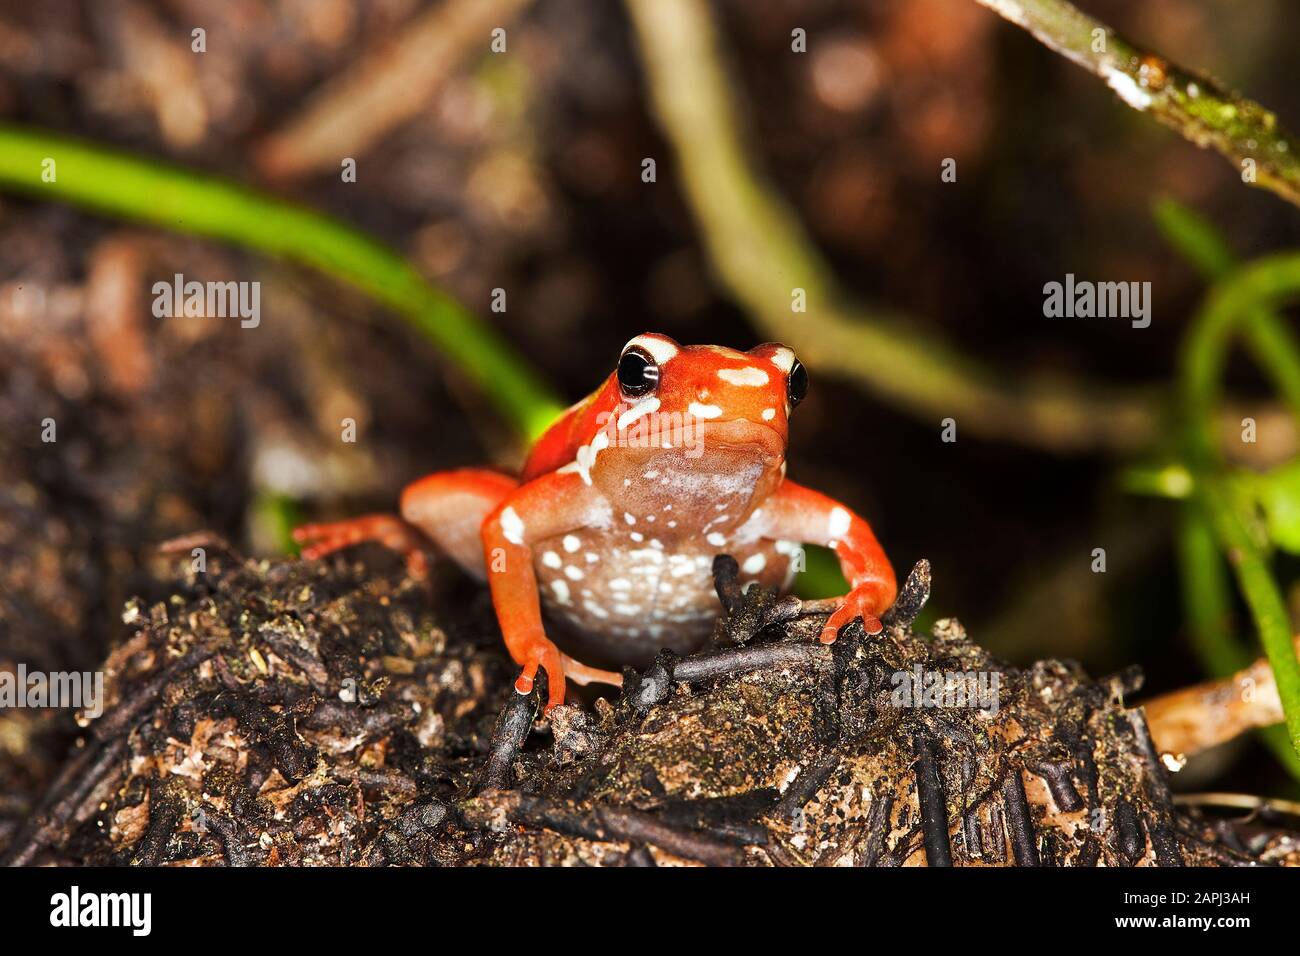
<point>696,415</point>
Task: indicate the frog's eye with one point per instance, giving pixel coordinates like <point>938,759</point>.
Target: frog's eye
<point>796,384</point>
<point>637,372</point>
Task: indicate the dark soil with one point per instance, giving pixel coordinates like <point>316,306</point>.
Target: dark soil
<point>273,713</point>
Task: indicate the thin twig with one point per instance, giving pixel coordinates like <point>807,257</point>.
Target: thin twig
<point>750,658</point>
<point>810,780</point>
<point>508,735</point>
<point>75,782</point>
<point>1204,113</point>
<point>1020,824</point>
<point>1240,801</point>
<point>934,805</point>
<point>599,824</point>
<point>390,85</point>
<point>1192,719</point>
<point>762,254</point>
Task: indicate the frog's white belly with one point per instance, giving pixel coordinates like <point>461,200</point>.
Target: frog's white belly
<point>619,595</point>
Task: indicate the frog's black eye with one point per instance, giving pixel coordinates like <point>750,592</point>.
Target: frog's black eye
<point>637,372</point>
<point>796,384</point>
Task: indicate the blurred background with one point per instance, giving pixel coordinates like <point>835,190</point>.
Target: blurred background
<point>523,171</point>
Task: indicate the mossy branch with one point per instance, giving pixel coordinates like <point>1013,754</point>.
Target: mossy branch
<point>1203,112</point>
<point>144,190</point>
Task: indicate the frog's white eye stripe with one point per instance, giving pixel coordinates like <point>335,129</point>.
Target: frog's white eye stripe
<point>660,349</point>
<point>783,358</point>
<point>639,410</point>
<point>744,376</point>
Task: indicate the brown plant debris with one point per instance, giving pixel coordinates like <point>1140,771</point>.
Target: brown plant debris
<point>283,713</point>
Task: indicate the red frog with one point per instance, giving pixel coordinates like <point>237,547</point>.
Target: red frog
<point>612,527</point>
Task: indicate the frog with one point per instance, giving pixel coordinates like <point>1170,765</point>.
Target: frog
<point>599,553</point>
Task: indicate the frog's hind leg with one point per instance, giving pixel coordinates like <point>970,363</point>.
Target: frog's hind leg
<point>445,508</point>
<point>449,507</point>
<point>319,540</point>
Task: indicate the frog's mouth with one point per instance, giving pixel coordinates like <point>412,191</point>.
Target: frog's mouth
<point>744,435</point>
<point>695,439</point>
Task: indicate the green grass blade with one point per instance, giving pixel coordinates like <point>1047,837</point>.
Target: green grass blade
<point>144,190</point>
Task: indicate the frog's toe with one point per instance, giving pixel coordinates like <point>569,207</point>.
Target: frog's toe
<point>320,540</point>
<point>860,602</point>
<point>547,655</point>
<point>580,673</point>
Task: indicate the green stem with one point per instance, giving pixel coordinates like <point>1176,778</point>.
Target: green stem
<point>1243,295</point>
<point>1267,607</point>
<point>1207,601</point>
<point>154,192</point>
<point>1238,301</point>
<point>1267,336</point>
<point>1207,597</point>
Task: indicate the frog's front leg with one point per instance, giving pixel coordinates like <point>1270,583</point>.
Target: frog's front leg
<point>796,513</point>
<point>554,504</point>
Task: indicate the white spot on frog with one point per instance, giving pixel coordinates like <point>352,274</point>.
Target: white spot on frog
<point>512,526</point>
<point>750,377</point>
<point>783,359</point>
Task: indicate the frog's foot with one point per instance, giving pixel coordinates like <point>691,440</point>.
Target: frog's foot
<point>390,531</point>
<point>543,653</point>
<point>580,673</point>
<point>864,602</point>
